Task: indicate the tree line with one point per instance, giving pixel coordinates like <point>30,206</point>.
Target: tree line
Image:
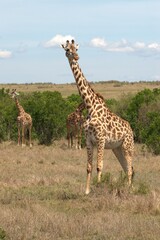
<point>49,111</point>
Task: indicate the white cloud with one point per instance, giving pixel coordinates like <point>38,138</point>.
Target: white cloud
<point>57,40</point>
<point>121,46</point>
<point>139,45</point>
<point>121,49</point>
<point>154,46</point>
<point>98,42</point>
<point>125,46</point>
<point>5,54</point>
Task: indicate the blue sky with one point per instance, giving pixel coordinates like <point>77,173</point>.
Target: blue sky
<point>118,40</point>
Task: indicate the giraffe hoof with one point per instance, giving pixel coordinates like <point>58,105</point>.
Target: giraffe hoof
<point>30,145</point>
<point>87,192</point>
<point>23,145</point>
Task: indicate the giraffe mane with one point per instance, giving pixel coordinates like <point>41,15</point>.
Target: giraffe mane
<point>100,96</point>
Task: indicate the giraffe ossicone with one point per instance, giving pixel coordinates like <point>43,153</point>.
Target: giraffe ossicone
<point>102,126</point>
<point>24,121</point>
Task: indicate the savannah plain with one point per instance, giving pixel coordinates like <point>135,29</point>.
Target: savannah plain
<point>42,188</point>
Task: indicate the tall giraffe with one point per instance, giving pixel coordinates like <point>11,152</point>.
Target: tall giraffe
<point>102,127</point>
<point>74,124</point>
<point>24,121</point>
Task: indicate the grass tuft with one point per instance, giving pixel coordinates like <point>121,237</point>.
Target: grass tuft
<point>142,188</point>
<point>3,235</point>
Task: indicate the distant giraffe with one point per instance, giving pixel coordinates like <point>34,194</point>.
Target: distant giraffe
<point>24,121</point>
<point>102,127</point>
<point>74,124</point>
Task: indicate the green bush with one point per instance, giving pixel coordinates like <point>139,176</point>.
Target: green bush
<point>142,111</point>
<point>7,116</point>
<point>132,111</point>
<point>150,132</point>
<point>49,112</point>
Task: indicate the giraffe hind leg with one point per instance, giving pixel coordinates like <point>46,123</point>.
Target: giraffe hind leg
<point>30,136</point>
<point>23,136</point>
<point>69,139</point>
<point>125,159</point>
<point>80,139</point>
<point>19,134</point>
<point>89,165</point>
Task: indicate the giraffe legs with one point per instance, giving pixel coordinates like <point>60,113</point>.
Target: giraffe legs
<point>100,153</point>
<point>19,133</point>
<point>70,135</point>
<point>30,136</point>
<point>76,137</point>
<point>125,159</point>
<point>80,138</point>
<point>23,136</point>
<point>89,165</point>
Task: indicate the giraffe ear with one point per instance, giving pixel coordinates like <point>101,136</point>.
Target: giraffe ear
<point>15,91</point>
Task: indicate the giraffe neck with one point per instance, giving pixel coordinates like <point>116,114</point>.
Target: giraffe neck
<point>80,108</point>
<point>19,107</point>
<point>86,92</point>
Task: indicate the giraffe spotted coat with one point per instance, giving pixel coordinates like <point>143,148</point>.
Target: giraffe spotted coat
<point>103,128</point>
<point>74,124</point>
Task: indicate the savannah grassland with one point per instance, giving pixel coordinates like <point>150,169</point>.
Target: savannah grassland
<point>42,195</point>
<point>110,89</point>
<point>42,192</point>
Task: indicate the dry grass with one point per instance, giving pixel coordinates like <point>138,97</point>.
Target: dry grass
<point>107,89</point>
<point>42,196</point>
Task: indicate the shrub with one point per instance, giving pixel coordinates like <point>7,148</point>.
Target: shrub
<point>48,110</point>
<point>7,116</point>
<point>143,113</point>
<point>132,112</point>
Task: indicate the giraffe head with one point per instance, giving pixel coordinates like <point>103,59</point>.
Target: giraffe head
<point>71,50</point>
<point>14,93</point>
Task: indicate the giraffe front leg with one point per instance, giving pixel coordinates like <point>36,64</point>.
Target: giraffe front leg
<point>89,166</point>
<point>23,136</point>
<point>71,140</point>
<point>76,137</point>
<point>69,137</point>
<point>100,153</point>
<point>80,139</point>
<point>19,133</point>
<point>30,136</point>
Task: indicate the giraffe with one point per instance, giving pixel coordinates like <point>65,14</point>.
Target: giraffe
<point>74,124</point>
<point>24,121</point>
<point>102,127</point>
